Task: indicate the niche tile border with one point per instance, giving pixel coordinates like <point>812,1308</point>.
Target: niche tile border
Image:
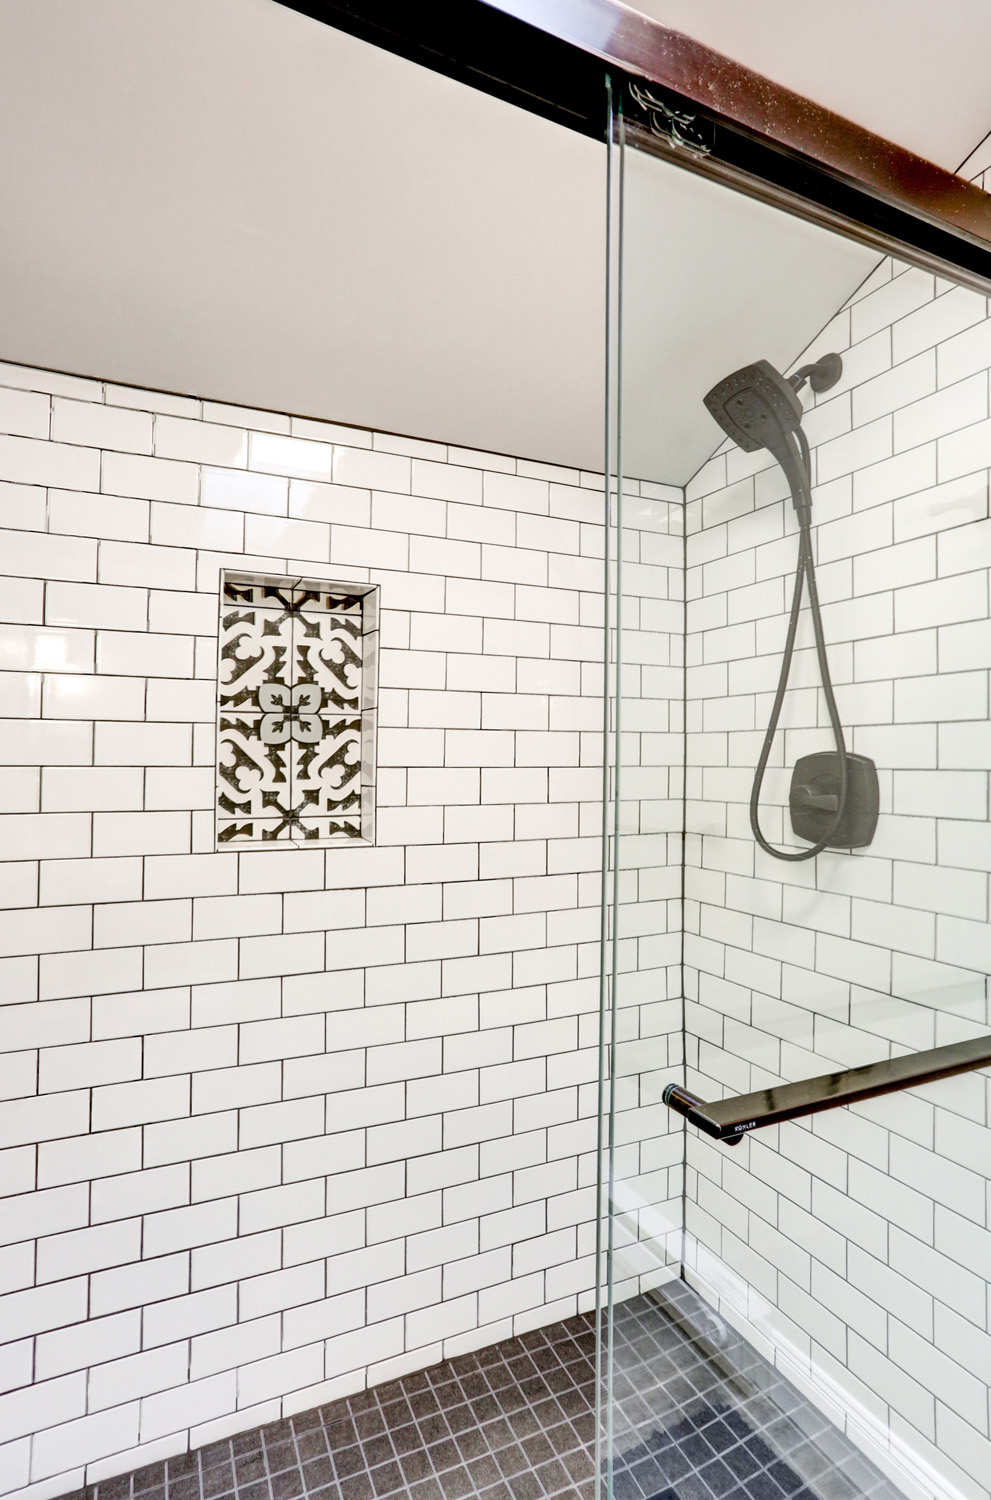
<point>297,693</point>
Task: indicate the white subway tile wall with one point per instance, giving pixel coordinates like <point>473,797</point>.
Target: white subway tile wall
<point>648,1164</point>
<point>858,1247</point>
<point>279,1124</point>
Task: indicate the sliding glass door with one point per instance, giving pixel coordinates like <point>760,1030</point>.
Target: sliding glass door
<point>796,850</point>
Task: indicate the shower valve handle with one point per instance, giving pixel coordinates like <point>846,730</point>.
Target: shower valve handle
<point>807,796</point>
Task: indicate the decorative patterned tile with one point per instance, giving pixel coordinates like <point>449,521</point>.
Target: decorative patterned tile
<point>296,726</point>
<point>326,773</point>
<point>327,653</point>
<point>255,650</point>
<point>250,772</point>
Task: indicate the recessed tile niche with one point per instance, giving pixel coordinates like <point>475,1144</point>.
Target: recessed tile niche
<point>297,683</point>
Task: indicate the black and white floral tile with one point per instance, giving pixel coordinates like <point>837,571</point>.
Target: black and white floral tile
<point>296,707</point>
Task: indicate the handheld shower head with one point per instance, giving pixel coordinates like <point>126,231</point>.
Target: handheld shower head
<point>759,408</point>
<point>756,407</point>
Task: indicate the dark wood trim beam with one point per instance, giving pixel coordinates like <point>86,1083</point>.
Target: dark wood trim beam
<point>551,57</point>
<point>482,46</point>
<point>633,43</point>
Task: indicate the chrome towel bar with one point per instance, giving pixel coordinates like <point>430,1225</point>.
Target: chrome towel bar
<point>728,1120</point>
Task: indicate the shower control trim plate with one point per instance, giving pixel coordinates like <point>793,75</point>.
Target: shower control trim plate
<point>814,798</point>
<point>728,1120</point>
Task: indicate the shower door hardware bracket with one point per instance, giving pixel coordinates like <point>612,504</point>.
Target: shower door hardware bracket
<point>676,126</point>
<point>729,1120</point>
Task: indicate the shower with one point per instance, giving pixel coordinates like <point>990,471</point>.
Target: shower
<point>833,799</point>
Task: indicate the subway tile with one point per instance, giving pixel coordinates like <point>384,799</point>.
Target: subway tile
<point>93,424</point>
<point>902,928</point>
<point>951,696</point>
<point>35,743</point>
<point>144,478</point>
<point>29,460</point>
<point>26,414</point>
<point>200,442</point>
<point>310,500</point>
<point>447,481</point>
<point>85,1158</point>
<point>278,536</point>
<point>963,1443</point>
<point>475,523</point>
<point>41,555</point>
<point>968,350</point>
<point>964,451</point>
<point>180,1407</point>
<point>120,1104</point>
<point>944,506</point>
<point>297,457</point>
<point>960,893</point>
<point>892,478</point>
<point>963,745</point>
<point>947,794</point>
<point>189,1138</point>
<point>937,1177</point>
<point>100,972</point>
<point>420,517</point>
<point>950,410</point>
<point>76,696</point>
<point>515,492</point>
<point>888,303</point>
<point>937,323</point>
<point>23,506</point>
<point>142,1374</point>
<point>127,833</point>
<point>895,566</point>
<point>371,470</point>
<point>963,550</point>
<point>942,603</point>
<point>181,613</point>
<point>137,653</point>
<point>962,943</point>
<point>99,606</point>
<point>214,529</point>
<point>866,445</point>
<point>236,490</point>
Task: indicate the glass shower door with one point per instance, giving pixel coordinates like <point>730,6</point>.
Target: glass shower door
<point>804,1311</point>
<point>641,1039</point>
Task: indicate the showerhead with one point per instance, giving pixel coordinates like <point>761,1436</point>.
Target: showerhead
<point>756,407</point>
<point>759,408</point>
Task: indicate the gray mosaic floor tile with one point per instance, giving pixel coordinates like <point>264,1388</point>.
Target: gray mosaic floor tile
<point>698,1415</point>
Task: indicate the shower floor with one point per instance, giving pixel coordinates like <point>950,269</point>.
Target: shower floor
<point>698,1415</point>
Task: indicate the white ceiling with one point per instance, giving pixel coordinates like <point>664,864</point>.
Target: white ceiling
<point>225,198</point>
<point>713,281</point>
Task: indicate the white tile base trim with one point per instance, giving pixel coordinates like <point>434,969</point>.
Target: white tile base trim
<point>908,1466</point>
